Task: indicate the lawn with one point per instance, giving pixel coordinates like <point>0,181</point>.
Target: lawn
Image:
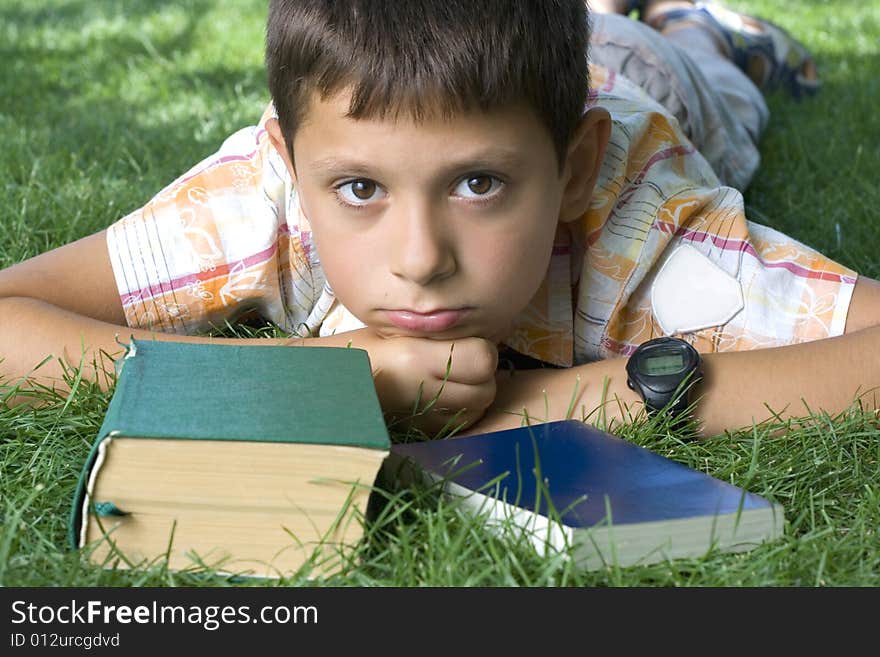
<point>103,102</point>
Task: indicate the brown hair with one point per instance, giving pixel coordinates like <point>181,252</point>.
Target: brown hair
<point>430,57</point>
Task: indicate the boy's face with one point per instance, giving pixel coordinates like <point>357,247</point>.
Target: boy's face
<point>442,228</point>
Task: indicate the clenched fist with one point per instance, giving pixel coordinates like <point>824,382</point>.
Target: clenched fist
<point>431,384</point>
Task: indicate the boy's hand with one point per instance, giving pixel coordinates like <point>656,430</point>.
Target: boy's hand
<point>429,384</point>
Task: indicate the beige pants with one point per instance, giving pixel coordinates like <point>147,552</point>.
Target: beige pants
<point>724,119</point>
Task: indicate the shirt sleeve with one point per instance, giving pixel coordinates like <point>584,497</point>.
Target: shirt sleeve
<point>209,247</point>
<point>791,293</point>
<point>741,286</point>
<point>669,250</point>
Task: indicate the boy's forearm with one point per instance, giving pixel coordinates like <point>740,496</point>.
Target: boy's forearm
<point>555,394</point>
<point>34,332</point>
<point>738,388</point>
<point>792,381</point>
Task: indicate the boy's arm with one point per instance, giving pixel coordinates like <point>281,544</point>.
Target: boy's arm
<point>75,277</point>
<point>738,388</point>
<point>64,303</point>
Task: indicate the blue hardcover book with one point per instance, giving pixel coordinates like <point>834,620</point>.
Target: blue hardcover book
<point>569,484</point>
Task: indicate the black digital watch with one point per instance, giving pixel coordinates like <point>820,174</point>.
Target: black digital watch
<point>657,371</point>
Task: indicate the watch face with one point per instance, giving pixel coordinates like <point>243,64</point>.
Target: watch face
<point>660,367</point>
<point>662,362</point>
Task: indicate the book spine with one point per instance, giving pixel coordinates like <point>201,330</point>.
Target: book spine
<point>126,371</point>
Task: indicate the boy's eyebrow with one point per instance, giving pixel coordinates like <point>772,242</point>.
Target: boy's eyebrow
<point>338,165</point>
<point>490,158</point>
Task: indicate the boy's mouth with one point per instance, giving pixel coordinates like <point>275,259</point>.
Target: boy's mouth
<point>434,321</point>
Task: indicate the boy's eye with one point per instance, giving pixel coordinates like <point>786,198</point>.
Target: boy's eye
<point>363,189</point>
<point>477,186</point>
<point>360,191</point>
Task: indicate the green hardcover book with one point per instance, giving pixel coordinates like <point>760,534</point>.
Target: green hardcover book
<point>243,458</point>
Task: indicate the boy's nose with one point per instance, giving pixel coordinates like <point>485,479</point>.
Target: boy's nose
<point>421,251</point>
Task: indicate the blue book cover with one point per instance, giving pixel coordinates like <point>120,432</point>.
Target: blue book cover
<point>569,483</point>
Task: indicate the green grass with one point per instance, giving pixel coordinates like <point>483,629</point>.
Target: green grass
<point>102,102</point>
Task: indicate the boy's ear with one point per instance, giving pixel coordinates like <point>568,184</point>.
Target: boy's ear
<point>583,162</point>
<point>273,128</point>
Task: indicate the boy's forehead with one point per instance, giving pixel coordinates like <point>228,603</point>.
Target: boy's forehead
<point>503,131</point>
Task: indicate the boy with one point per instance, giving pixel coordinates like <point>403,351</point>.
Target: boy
<point>432,190</point>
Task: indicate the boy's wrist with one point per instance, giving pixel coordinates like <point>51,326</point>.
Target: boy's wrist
<point>584,392</point>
